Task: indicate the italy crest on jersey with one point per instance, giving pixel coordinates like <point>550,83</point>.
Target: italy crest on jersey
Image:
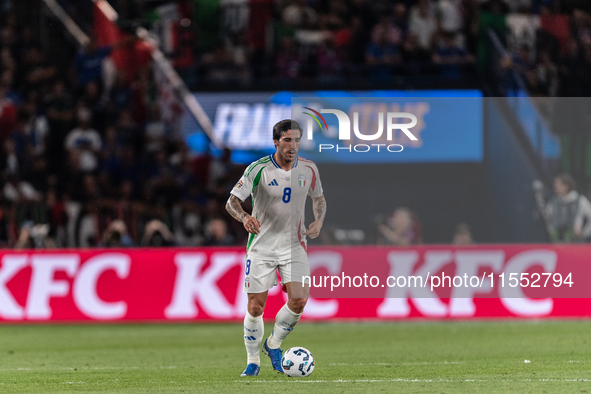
<point>302,180</point>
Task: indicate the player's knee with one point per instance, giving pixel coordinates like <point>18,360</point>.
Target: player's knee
<point>297,304</point>
<point>255,309</point>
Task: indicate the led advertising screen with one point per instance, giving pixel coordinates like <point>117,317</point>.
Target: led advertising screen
<point>449,125</point>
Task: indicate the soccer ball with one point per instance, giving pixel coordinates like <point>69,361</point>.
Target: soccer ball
<point>297,361</point>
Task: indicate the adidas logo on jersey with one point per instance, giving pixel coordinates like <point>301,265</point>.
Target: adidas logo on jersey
<point>274,183</point>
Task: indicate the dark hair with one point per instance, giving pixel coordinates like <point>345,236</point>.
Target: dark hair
<point>283,126</point>
<point>568,181</point>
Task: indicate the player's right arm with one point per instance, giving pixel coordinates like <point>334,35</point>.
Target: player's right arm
<point>241,191</point>
<point>234,208</point>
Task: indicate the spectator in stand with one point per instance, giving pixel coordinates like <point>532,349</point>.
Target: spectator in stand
<point>220,169</point>
<point>400,229</point>
<point>568,212</point>
<point>547,74</point>
<point>393,28</point>
<point>335,16</point>
<point>472,24</point>
<point>241,50</point>
<point>450,57</point>
<point>522,62</point>
<point>37,174</point>
<point>382,55</point>
<point>23,145</point>
<point>56,212</point>
<point>217,233</point>
<point>157,234</point>
<point>34,236</point>
<point>330,61</point>
<point>60,115</point>
<point>9,160</point>
<point>88,64</point>
<point>533,83</point>
<point>220,64</point>
<point>116,236</point>
<point>37,126</point>
<point>7,80</point>
<point>156,133</point>
<point>463,235</point>
<point>449,17</point>
<point>91,98</point>
<point>128,132</point>
<point>582,26</point>
<point>129,169</point>
<point>7,61</point>
<point>188,224</point>
<point>86,141</point>
<point>299,15</point>
<point>160,167</point>
<point>8,113</point>
<point>26,40</point>
<point>414,55</point>
<point>400,22</point>
<point>38,72</point>
<point>121,93</point>
<point>17,191</point>
<point>574,75</point>
<point>287,61</point>
<point>423,23</point>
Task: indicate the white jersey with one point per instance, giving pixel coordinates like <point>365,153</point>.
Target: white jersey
<point>279,201</point>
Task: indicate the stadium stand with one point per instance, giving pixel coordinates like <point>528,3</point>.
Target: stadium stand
<point>80,152</point>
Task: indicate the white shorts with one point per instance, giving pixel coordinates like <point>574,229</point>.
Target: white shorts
<point>261,275</point>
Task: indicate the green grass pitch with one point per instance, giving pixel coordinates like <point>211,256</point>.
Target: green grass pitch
<point>432,357</point>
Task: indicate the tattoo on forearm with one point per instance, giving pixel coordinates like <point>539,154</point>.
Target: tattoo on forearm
<point>319,208</point>
<point>234,208</point>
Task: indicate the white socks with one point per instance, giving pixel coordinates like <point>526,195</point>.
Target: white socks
<point>284,323</point>
<point>254,330</point>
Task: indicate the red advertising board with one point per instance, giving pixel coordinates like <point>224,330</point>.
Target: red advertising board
<point>205,284</point>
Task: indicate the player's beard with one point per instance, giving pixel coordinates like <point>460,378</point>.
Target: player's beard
<point>289,158</point>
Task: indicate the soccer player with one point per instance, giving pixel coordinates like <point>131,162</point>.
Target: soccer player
<point>279,185</point>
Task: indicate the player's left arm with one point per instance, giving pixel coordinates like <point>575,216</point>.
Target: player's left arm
<point>319,208</point>
<point>318,203</point>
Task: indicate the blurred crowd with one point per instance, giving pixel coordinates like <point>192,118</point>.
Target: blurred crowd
<point>549,51</point>
<point>328,41</point>
<point>403,228</point>
<point>342,41</point>
<point>86,160</point>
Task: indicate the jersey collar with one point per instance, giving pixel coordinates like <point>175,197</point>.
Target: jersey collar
<point>274,162</point>
<point>295,164</point>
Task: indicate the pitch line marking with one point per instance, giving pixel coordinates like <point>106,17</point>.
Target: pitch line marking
<point>407,380</point>
<point>417,363</point>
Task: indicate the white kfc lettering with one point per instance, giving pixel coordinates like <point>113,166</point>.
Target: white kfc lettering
<point>43,285</point>
<point>192,285</point>
<point>85,286</point>
<point>426,301</point>
<point>11,264</point>
<point>513,298</point>
<point>468,263</point>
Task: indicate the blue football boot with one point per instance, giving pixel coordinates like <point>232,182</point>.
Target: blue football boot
<point>251,370</point>
<point>275,355</point>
